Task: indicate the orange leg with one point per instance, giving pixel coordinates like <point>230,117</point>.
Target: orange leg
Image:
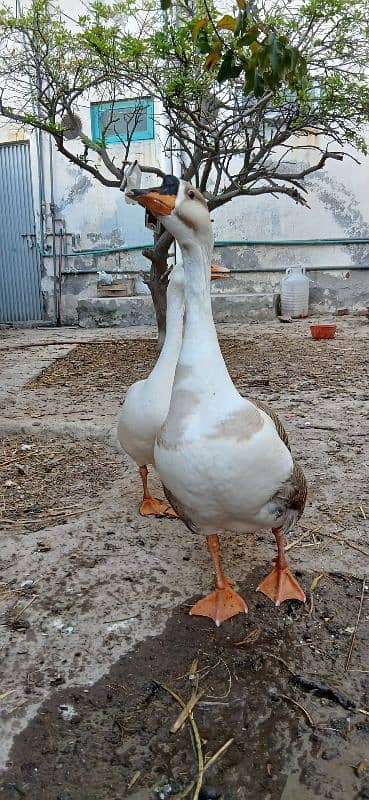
<point>280,584</point>
<point>151,505</point>
<point>223,603</point>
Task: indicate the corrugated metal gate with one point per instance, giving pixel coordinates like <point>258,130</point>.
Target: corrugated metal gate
<point>20,274</point>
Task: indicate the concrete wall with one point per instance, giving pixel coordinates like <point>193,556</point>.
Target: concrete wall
<point>96,217</point>
<point>90,217</point>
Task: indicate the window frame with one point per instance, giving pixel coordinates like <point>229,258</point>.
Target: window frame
<point>114,138</point>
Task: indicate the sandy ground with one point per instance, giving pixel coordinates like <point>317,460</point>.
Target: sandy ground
<point>84,581</point>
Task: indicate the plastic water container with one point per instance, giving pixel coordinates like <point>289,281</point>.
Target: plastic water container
<point>295,293</point>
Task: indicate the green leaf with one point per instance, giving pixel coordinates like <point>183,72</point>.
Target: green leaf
<point>250,35</point>
<point>202,42</point>
<point>229,69</point>
<point>275,53</point>
<point>259,85</point>
<point>165,4</point>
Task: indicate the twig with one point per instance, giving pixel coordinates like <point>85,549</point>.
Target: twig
<point>295,542</point>
<point>304,711</point>
<point>353,637</point>
<point>186,711</point>
<point>278,658</point>
<point>134,779</point>
<point>6,694</point>
<point>195,730</point>
<point>47,515</point>
<point>218,753</point>
<point>24,608</point>
<point>62,513</point>
<point>193,669</point>
<point>251,637</point>
<point>318,427</point>
<point>313,585</point>
<point>345,541</point>
<point>208,764</point>
<point>223,696</point>
<point>23,456</point>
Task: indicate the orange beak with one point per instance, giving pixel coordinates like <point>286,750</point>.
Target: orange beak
<point>161,205</point>
<point>217,272</point>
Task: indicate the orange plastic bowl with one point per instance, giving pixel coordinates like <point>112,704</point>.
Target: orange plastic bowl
<point>322,331</point>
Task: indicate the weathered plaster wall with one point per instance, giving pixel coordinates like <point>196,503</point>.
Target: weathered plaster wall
<point>91,217</point>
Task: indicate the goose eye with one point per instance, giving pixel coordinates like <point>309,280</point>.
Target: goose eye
<point>191,195</point>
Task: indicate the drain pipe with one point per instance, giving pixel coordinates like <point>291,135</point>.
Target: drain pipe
<point>59,277</point>
<point>53,231</point>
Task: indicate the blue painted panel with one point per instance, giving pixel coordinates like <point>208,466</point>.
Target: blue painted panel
<point>137,129</point>
<point>20,273</point>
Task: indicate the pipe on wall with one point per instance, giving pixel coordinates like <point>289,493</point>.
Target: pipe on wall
<point>288,242</point>
<point>243,271</point>
<point>223,243</point>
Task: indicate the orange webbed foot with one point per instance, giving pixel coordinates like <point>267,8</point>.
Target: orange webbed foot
<point>220,605</point>
<point>280,585</point>
<point>151,506</point>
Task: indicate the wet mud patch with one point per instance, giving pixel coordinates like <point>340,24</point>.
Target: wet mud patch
<point>45,481</point>
<point>94,742</point>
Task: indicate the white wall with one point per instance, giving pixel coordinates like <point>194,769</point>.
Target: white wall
<point>93,217</point>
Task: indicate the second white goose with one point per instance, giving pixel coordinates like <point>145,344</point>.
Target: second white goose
<point>147,401</point>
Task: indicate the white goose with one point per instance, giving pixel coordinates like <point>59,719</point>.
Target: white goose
<point>146,404</point>
<point>221,460</point>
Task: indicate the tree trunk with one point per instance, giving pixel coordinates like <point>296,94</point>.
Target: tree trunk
<point>158,281</point>
<point>158,288</point>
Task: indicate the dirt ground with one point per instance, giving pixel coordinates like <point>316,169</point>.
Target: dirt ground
<point>97,649</point>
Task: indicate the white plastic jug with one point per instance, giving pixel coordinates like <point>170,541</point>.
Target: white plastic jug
<point>295,293</point>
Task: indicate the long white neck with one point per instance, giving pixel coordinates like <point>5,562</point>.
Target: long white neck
<point>165,366</point>
<point>200,347</point>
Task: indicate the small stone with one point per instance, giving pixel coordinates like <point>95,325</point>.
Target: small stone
<point>57,680</point>
<point>26,584</point>
<point>164,791</point>
<point>209,793</point>
<point>21,469</point>
<point>329,755</point>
